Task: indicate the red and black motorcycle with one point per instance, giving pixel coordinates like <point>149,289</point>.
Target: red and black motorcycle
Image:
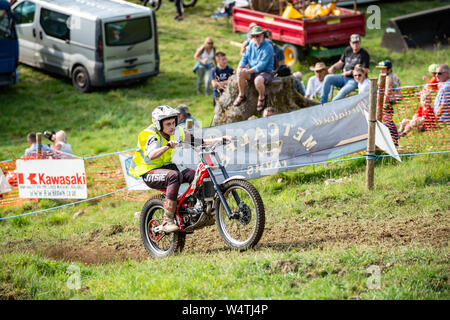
<point>234,205</point>
<point>155,4</point>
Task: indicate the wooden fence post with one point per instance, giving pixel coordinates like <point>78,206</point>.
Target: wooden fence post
<point>39,145</point>
<point>380,96</point>
<point>370,162</point>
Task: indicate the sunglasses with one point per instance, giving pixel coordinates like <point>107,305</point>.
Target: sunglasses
<point>210,43</point>
<point>439,73</point>
<point>358,75</point>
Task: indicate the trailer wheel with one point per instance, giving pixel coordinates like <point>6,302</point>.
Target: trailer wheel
<point>292,54</point>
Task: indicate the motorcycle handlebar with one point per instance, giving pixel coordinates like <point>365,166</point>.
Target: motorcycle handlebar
<point>209,147</point>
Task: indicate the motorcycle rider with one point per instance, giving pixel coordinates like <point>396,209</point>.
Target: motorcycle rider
<point>153,159</point>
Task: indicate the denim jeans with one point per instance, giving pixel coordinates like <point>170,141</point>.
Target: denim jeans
<point>347,85</point>
<point>204,74</point>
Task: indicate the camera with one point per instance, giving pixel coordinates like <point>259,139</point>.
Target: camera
<point>49,135</point>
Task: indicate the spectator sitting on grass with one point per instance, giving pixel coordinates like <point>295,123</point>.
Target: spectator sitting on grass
<point>352,56</point>
<point>247,41</point>
<point>423,119</point>
<point>298,83</point>
<point>60,139</point>
<point>32,150</point>
<point>442,101</point>
<point>315,83</point>
<point>433,81</point>
<point>278,54</point>
<point>360,78</point>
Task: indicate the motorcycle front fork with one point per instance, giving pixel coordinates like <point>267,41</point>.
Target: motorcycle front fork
<point>228,211</point>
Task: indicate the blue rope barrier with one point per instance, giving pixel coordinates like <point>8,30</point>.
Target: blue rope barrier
<point>372,156</point>
<point>66,205</point>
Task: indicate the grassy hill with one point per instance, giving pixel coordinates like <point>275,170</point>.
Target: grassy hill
<point>322,238</point>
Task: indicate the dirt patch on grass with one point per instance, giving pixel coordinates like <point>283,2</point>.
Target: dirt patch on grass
<point>311,234</point>
<point>7,292</point>
<point>110,244</point>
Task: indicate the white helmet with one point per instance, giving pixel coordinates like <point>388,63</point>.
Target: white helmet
<point>163,112</point>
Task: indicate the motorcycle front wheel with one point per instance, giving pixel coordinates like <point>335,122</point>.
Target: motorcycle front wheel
<point>188,3</point>
<point>245,228</point>
<point>158,243</point>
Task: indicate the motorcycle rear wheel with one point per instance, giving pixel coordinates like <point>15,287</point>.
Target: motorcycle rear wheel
<point>158,244</point>
<point>244,232</point>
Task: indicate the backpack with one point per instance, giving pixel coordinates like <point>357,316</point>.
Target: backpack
<point>283,71</point>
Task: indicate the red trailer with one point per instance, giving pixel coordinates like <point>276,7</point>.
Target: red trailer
<point>300,35</point>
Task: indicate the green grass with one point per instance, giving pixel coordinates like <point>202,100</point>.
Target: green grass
<point>327,235</point>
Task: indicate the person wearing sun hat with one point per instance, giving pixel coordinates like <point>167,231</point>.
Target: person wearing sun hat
<point>256,65</point>
<point>315,83</point>
<point>433,81</point>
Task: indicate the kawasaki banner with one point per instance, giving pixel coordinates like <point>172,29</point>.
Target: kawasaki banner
<point>52,179</point>
<point>266,146</point>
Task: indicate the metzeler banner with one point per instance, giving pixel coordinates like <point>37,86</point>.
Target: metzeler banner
<point>280,142</point>
<point>52,179</point>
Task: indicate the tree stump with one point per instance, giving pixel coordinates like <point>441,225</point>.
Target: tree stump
<point>280,95</point>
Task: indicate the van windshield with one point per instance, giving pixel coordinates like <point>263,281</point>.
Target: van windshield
<point>5,25</point>
<point>127,32</point>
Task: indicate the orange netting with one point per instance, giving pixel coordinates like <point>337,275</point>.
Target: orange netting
<point>408,112</point>
<point>417,117</point>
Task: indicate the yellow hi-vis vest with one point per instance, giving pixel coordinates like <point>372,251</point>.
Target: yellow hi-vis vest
<point>141,163</point>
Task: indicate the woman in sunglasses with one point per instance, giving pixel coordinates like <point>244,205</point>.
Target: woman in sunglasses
<point>205,57</point>
<point>360,77</point>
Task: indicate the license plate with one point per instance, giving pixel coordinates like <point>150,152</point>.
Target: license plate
<point>334,21</point>
<point>130,72</point>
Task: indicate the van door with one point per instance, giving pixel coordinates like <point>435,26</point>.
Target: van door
<point>24,16</point>
<point>129,47</point>
<point>54,41</point>
<point>9,49</point>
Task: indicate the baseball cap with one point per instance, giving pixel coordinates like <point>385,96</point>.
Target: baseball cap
<point>385,64</point>
<point>355,38</point>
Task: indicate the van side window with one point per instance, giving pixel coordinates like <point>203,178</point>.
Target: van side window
<point>24,12</point>
<point>55,24</point>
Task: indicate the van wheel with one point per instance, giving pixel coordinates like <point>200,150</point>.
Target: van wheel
<point>80,79</point>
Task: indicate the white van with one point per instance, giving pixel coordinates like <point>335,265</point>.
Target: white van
<point>94,42</point>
